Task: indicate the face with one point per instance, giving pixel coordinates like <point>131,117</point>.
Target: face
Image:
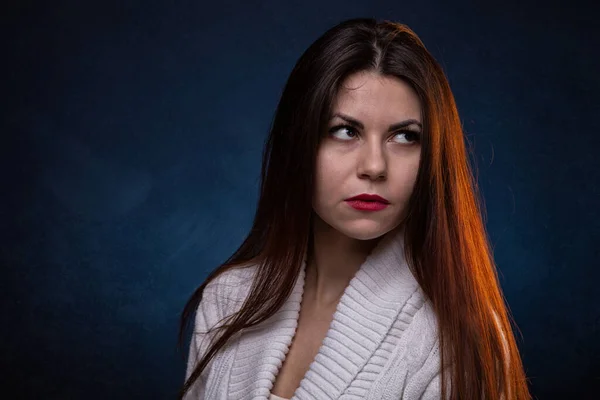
<point>371,146</point>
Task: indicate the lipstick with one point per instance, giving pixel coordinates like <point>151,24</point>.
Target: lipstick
<point>368,202</point>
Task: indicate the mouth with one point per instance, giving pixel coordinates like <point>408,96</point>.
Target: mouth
<point>369,198</point>
<point>362,205</point>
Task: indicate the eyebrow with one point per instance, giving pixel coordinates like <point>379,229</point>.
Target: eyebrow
<point>393,127</point>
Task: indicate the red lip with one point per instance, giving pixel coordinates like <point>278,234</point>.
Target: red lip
<point>369,197</point>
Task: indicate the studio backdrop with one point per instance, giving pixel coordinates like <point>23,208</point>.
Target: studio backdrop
<point>132,135</point>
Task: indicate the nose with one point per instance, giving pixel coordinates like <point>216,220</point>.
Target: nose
<point>372,162</point>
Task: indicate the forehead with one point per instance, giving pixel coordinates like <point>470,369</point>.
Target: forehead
<point>372,95</point>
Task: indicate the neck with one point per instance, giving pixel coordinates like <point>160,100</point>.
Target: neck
<point>334,262</point>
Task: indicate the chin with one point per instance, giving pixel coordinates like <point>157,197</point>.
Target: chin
<point>364,232</point>
<point>358,228</point>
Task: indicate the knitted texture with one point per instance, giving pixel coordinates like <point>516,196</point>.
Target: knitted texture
<point>381,344</point>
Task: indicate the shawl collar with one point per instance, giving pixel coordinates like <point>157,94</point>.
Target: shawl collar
<point>364,315</point>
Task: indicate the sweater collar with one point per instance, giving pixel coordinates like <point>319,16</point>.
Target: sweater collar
<point>372,301</point>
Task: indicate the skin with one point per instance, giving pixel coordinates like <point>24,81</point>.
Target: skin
<point>352,161</point>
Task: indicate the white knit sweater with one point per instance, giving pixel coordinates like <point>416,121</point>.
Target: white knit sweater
<point>382,342</point>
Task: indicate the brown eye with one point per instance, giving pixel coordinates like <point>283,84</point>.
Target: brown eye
<point>409,136</point>
<point>341,128</point>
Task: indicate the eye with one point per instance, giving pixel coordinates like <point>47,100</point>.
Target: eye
<point>340,128</point>
<point>411,136</point>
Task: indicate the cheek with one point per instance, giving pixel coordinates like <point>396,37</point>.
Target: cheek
<point>329,177</point>
<point>412,171</point>
<point>329,170</point>
<point>405,178</point>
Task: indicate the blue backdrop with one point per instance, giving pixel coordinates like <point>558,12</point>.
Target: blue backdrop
<point>132,134</point>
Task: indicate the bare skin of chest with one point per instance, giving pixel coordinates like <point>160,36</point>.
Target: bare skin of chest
<point>312,329</point>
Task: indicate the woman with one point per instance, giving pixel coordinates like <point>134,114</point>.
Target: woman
<point>367,267</point>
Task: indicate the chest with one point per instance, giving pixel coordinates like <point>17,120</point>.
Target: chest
<point>312,329</point>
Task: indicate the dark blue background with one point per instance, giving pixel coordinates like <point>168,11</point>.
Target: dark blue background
<point>132,134</point>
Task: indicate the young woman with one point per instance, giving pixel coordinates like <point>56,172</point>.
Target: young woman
<point>367,273</point>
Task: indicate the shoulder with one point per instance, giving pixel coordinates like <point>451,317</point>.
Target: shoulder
<point>414,366</point>
<point>235,281</point>
<point>225,293</point>
<point>422,335</point>
<point>424,355</point>
<point>221,298</point>
<point>417,333</point>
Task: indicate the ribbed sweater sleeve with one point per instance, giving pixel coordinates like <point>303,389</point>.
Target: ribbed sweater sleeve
<point>208,314</point>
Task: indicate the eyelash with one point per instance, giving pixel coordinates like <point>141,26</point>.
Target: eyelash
<point>404,131</point>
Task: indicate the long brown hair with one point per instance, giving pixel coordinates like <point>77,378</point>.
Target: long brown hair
<point>445,238</point>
